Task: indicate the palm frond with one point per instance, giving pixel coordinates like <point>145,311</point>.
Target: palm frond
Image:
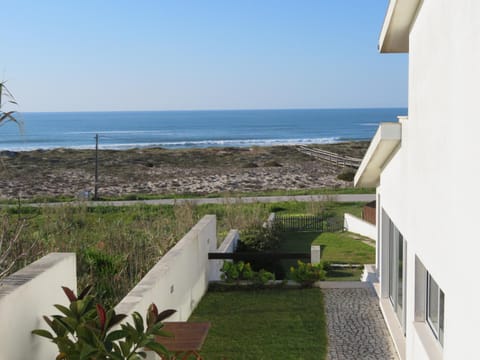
<point>7,116</point>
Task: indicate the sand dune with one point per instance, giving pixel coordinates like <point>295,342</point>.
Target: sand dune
<point>68,172</point>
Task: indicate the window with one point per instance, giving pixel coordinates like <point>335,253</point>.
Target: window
<point>399,275</point>
<point>396,268</point>
<point>435,308</point>
<point>428,311</point>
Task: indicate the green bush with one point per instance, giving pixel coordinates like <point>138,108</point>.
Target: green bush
<point>272,163</point>
<point>260,238</point>
<point>234,272</point>
<point>306,274</point>
<point>262,277</point>
<point>249,165</point>
<point>347,174</point>
<point>103,269</point>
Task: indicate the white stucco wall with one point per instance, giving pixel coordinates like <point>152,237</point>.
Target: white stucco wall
<point>359,226</point>
<point>25,297</point>
<point>180,279</point>
<point>430,188</point>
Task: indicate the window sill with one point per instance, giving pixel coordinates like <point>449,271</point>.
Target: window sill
<point>394,327</point>
<point>430,344</point>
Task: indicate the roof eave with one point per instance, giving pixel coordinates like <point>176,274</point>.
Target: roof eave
<point>396,28</point>
<point>382,147</point>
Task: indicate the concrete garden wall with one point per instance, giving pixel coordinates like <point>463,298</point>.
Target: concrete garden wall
<point>180,279</point>
<point>228,245</point>
<point>25,297</point>
<point>356,225</point>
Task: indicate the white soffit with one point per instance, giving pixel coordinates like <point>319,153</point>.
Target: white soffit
<point>384,143</point>
<point>397,24</point>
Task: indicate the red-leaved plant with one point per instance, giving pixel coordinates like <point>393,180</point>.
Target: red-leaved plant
<point>84,331</point>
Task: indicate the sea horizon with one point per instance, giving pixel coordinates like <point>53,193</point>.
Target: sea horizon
<point>178,129</point>
<point>213,110</point>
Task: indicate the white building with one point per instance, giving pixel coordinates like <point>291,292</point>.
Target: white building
<point>427,172</point>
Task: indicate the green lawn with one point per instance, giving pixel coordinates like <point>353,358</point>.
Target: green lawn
<point>264,324</point>
<point>339,248</point>
<point>344,248</point>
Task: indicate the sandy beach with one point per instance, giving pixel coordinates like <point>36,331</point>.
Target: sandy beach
<point>67,172</point>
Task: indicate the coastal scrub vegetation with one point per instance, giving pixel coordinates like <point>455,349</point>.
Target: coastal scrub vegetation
<point>63,174</point>
<point>10,231</point>
<point>123,243</point>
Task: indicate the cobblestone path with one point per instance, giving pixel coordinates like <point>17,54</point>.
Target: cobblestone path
<point>356,329</point>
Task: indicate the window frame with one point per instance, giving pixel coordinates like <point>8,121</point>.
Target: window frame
<point>396,270</point>
<point>440,300</point>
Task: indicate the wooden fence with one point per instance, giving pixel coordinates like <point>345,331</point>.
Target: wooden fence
<point>369,212</point>
<point>336,159</point>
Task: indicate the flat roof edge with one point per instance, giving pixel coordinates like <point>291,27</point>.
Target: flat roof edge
<point>382,146</point>
<point>394,36</point>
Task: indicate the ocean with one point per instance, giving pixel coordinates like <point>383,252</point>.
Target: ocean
<point>193,129</point>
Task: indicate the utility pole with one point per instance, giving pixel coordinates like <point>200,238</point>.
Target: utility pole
<point>95,195</point>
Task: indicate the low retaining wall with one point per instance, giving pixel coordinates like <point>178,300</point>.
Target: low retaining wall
<point>270,220</point>
<point>356,225</point>
<point>228,245</point>
<point>25,297</point>
<point>315,254</point>
<point>180,279</point>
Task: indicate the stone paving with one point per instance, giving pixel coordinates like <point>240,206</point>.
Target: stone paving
<point>356,329</point>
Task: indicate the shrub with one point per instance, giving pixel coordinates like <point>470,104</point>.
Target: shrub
<point>327,265</point>
<point>306,274</point>
<point>84,331</point>
<point>261,277</point>
<point>236,271</point>
<point>105,269</point>
<point>272,163</point>
<point>249,165</point>
<point>347,174</point>
<point>260,238</point>
<point>239,271</point>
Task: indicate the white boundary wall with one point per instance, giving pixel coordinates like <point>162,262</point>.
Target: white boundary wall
<point>356,225</point>
<point>180,279</point>
<point>270,220</point>
<point>25,297</point>
<point>228,245</point>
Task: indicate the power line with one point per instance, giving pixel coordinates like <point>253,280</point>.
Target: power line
<point>95,195</point>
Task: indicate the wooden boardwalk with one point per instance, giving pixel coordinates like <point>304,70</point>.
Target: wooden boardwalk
<point>333,158</point>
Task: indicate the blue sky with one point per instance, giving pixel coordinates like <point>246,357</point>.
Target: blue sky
<point>190,54</point>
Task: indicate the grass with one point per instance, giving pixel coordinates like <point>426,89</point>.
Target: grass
<point>338,247</point>
<point>111,243</point>
<point>126,197</point>
<point>123,243</point>
<point>344,248</point>
<point>120,243</point>
<point>264,324</point>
